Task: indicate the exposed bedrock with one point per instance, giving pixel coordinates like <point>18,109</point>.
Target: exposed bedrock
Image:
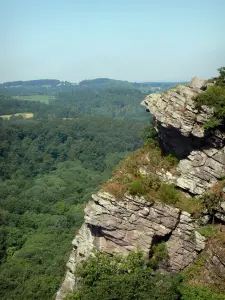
<point>113,226</point>
<point>181,131</point>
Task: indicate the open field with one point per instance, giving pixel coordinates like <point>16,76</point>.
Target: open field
<point>24,115</point>
<point>41,98</point>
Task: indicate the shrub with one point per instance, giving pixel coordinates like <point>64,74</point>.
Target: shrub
<point>137,188</point>
<point>214,197</point>
<point>172,160</point>
<point>199,293</point>
<point>149,133</point>
<point>168,194</point>
<point>207,231</point>
<point>160,251</point>
<point>213,97</point>
<point>124,278</point>
<point>193,205</point>
<point>220,80</point>
<point>151,182</point>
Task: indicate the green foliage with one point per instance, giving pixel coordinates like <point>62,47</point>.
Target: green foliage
<point>207,231</point>
<point>214,97</point>
<point>169,194</point>
<point>124,278</point>
<point>131,278</point>
<point>193,205</point>
<point>172,160</point>
<point>199,293</point>
<point>160,251</point>
<point>214,197</point>
<point>149,133</point>
<point>49,168</point>
<point>151,182</point>
<point>220,80</point>
<point>195,269</point>
<point>137,188</point>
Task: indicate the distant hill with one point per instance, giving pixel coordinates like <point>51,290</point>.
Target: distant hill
<point>39,82</point>
<point>54,86</point>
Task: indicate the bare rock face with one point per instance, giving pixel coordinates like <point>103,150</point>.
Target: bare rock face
<point>176,108</point>
<point>113,226</point>
<point>82,248</point>
<point>200,170</point>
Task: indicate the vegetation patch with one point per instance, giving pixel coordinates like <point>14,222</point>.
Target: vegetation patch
<point>195,274</point>
<point>40,98</point>
<point>124,278</point>
<point>207,231</point>
<point>105,277</point>
<point>127,178</point>
<point>214,196</point>
<point>49,169</point>
<point>214,97</point>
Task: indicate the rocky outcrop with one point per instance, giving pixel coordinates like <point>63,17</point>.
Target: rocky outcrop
<point>201,169</point>
<point>214,270</point>
<point>181,131</point>
<point>83,245</point>
<point>120,226</point>
<point>176,108</point>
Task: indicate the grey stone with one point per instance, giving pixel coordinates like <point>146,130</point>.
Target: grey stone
<point>197,83</point>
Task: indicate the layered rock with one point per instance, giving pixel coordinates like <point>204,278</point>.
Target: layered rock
<point>120,226</point>
<point>181,131</point>
<point>176,108</point>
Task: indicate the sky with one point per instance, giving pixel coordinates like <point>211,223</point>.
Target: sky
<point>134,40</point>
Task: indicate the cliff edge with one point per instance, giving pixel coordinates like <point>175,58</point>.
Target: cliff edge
<point>149,201</point>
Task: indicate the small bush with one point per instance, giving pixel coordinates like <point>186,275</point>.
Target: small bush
<point>213,97</point>
<point>214,197</point>
<point>137,188</point>
<point>168,194</point>
<point>160,251</point>
<point>193,205</point>
<point>189,292</point>
<point>151,182</point>
<point>207,231</point>
<point>172,160</point>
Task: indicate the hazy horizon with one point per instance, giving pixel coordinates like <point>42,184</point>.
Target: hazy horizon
<point>138,41</point>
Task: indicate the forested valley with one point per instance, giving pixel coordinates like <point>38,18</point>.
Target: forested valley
<point>50,166</point>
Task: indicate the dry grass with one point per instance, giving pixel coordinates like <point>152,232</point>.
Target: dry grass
<point>115,189</point>
<point>127,176</point>
<point>192,205</point>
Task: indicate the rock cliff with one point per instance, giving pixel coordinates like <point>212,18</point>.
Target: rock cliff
<point>181,131</point>
<point>132,223</point>
<point>113,225</point>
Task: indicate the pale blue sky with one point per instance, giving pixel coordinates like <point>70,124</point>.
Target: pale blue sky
<point>135,40</point>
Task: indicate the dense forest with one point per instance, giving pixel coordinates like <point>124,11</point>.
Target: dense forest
<point>48,170</point>
<point>118,103</point>
<point>135,277</point>
<point>50,165</point>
